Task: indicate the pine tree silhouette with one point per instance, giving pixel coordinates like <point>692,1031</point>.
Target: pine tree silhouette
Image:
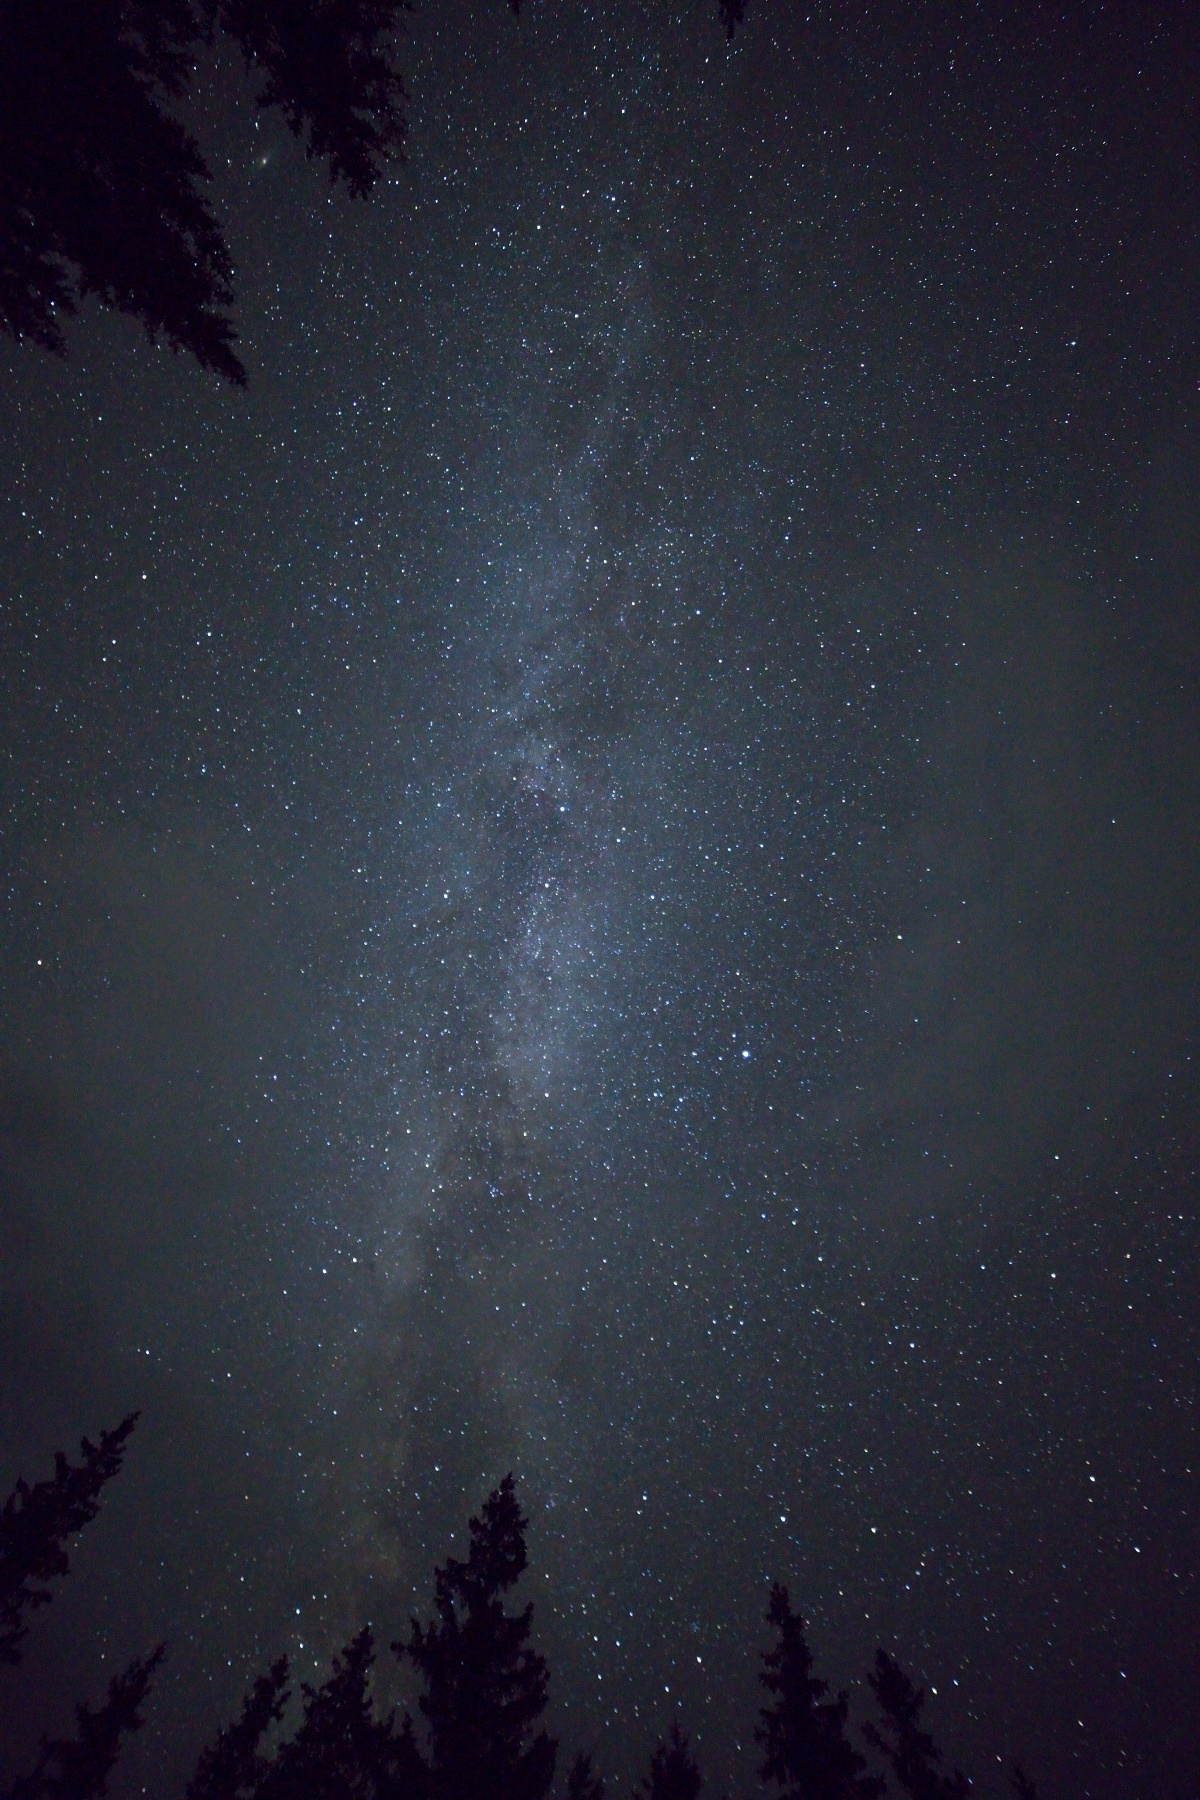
<point>485,1688</point>
<point>674,1772</point>
<point>1021,1785</point>
<point>34,1528</point>
<point>806,1752</point>
<point>101,187</point>
<point>582,1782</point>
<point>36,1523</point>
<point>910,1752</point>
<point>233,1767</point>
<point>78,1768</point>
<point>341,1750</point>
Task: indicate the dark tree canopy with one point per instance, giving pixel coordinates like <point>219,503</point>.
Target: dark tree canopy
<point>485,1688</point>
<point>38,1520</point>
<point>484,1692</point>
<point>583,1783</point>
<point>674,1772</point>
<point>34,1528</point>
<point>102,189</point>
<point>233,1767</point>
<point>78,1768</point>
<point>342,1751</point>
<point>909,1751</point>
<point>807,1754</point>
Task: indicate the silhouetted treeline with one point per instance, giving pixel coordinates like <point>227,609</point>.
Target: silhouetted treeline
<point>35,1527</point>
<point>483,1693</point>
<point>102,189</point>
<point>101,186</point>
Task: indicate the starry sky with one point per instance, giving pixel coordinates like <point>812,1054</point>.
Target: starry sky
<point>600,878</point>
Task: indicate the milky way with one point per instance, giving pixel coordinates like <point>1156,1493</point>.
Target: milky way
<point>600,881</point>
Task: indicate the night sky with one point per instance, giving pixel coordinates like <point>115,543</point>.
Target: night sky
<point>600,878</point>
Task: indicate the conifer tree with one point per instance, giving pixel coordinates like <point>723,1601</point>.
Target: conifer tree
<point>35,1526</point>
<point>674,1772</point>
<point>807,1754</point>
<point>341,1751</point>
<point>78,1768</point>
<point>102,187</point>
<point>582,1782</point>
<point>37,1522</point>
<point>233,1767</point>
<point>909,1751</point>
<point>485,1688</point>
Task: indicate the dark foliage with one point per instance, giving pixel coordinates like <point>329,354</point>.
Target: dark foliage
<point>485,1688</point>
<point>328,66</point>
<point>909,1751</point>
<point>583,1783</point>
<point>34,1527</point>
<point>36,1523</point>
<point>78,1768</point>
<point>806,1752</point>
<point>674,1773</point>
<point>341,1750</point>
<point>233,1766</point>
<point>101,187</point>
